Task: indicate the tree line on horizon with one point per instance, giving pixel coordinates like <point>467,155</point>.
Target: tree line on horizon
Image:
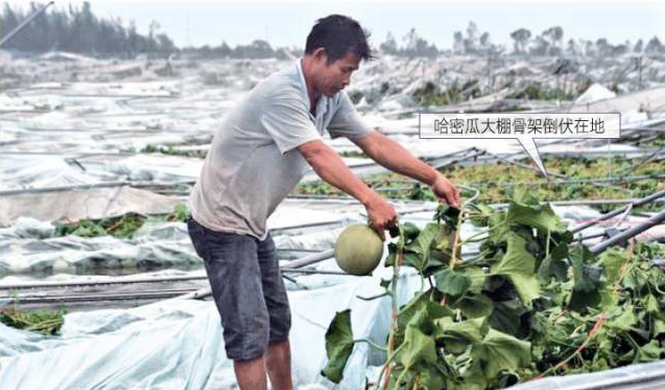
<point>78,30</point>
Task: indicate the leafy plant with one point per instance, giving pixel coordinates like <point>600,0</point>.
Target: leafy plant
<point>171,150</point>
<point>41,321</point>
<point>531,304</point>
<point>123,226</point>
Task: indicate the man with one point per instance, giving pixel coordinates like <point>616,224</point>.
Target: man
<point>259,154</point>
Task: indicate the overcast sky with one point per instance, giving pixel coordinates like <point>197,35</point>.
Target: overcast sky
<point>287,23</point>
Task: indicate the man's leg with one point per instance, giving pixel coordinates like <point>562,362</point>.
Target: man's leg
<point>251,374</point>
<point>278,355</point>
<point>232,265</point>
<point>278,364</point>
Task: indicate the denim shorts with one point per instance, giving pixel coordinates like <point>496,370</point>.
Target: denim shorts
<point>247,287</point>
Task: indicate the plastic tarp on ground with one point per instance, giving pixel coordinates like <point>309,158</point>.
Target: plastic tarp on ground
<point>93,203</point>
<point>30,245</point>
<point>178,344</point>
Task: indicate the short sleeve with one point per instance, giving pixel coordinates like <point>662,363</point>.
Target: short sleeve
<point>287,121</point>
<point>347,122</point>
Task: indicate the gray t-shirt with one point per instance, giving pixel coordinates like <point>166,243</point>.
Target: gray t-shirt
<point>252,164</point>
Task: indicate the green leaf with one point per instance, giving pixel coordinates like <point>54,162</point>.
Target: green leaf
<point>452,283</point>
<point>651,304</point>
<point>612,260</point>
<point>518,266</point>
<point>432,376</point>
<point>421,311</point>
<point>541,217</point>
<point>410,231</point>
<point>622,318</point>
<point>414,260</point>
<point>447,214</point>
<point>586,276</point>
<point>658,328</point>
<point>423,243</point>
<point>339,344</point>
<point>551,267</point>
<point>504,352</point>
<point>524,195</point>
<point>484,221</point>
<point>477,277</point>
<point>472,379</point>
<point>458,335</point>
<point>649,352</point>
<point>417,348</point>
<point>506,317</point>
<point>417,253</point>
<point>474,306</point>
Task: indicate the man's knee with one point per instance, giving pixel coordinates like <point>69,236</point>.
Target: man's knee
<point>247,341</point>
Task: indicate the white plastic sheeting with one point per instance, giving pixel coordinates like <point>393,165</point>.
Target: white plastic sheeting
<point>177,344</point>
<point>594,93</point>
<point>92,203</point>
<point>29,247</point>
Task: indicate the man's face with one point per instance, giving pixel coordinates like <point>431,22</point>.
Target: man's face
<point>336,76</point>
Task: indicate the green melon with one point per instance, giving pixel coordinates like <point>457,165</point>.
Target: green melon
<point>358,250</point>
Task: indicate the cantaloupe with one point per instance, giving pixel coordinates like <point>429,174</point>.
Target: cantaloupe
<point>358,250</point>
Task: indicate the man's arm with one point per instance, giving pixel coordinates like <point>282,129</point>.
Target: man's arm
<point>393,156</point>
<point>330,167</point>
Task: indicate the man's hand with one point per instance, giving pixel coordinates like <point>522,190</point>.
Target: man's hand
<point>381,214</point>
<point>330,167</point>
<point>446,191</point>
<point>393,156</point>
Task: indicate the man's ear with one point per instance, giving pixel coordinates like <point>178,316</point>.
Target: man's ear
<point>320,54</point>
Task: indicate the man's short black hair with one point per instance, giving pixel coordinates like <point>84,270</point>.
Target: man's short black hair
<point>339,35</point>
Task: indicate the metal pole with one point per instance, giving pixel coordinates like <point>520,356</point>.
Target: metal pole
<point>307,260</point>
<point>629,233</point>
<point>614,213</point>
<point>52,284</point>
<point>24,23</point>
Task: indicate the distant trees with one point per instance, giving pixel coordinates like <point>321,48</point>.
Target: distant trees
<point>78,30</point>
<point>654,46</point>
<point>521,38</point>
<point>413,46</point>
<point>550,43</point>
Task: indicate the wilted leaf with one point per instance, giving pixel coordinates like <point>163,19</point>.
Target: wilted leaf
<point>452,283</point>
<point>421,308</point>
<point>458,335</point>
<point>504,352</point>
<point>612,260</point>
<point>650,352</point>
<point>518,266</point>
<point>339,344</point>
<point>418,347</point>
<point>474,306</point>
<point>417,253</point>
<point>506,317</point>
<point>623,318</point>
<point>540,217</point>
<point>477,276</point>
<point>586,276</point>
<point>447,214</point>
